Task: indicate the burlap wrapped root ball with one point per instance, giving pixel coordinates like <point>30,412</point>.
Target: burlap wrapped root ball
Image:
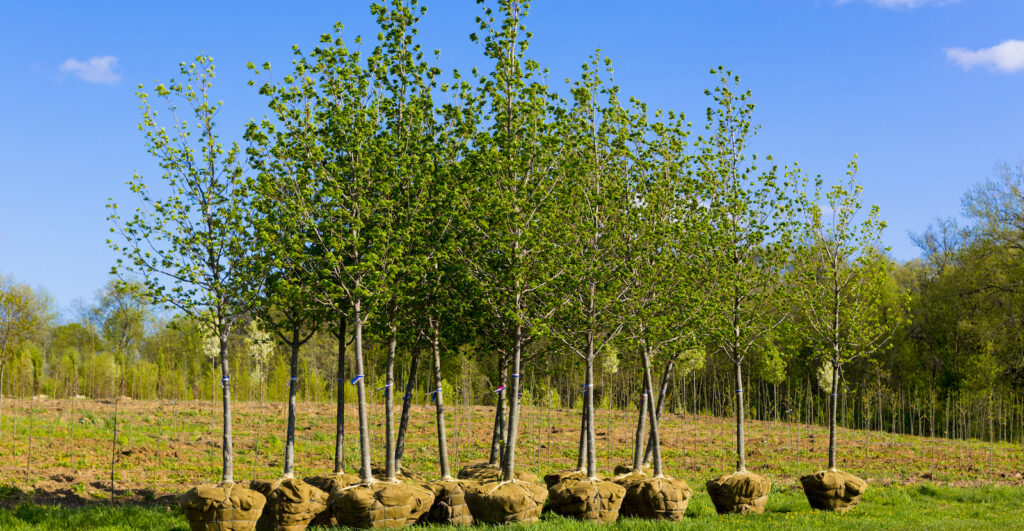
<point>402,474</point>
<point>587,499</point>
<point>224,507</point>
<point>657,498</point>
<point>624,474</point>
<point>449,507</point>
<point>484,472</point>
<point>328,483</point>
<point>501,502</point>
<point>552,479</point>
<point>739,492</point>
<point>833,490</point>
<point>380,504</point>
<point>291,504</point>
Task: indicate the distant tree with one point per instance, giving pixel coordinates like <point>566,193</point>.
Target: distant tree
<point>21,313</point>
<point>192,245</point>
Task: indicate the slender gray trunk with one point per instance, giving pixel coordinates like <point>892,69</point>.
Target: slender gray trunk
<point>832,416</point>
<point>508,464</point>
<point>589,406</point>
<point>226,441</point>
<point>639,440</point>
<point>581,457</point>
<point>403,423</point>
<point>649,452</point>
<point>648,381</point>
<point>3,369</point>
<point>389,414</point>
<point>293,384</point>
<point>339,434</point>
<point>498,432</point>
<point>442,438</point>
<point>365,474</point>
<point>741,453</point>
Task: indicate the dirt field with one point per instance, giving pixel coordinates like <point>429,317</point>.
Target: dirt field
<point>59,451</point>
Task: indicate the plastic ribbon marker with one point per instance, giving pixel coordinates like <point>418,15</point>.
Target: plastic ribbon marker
<point>433,394</point>
<point>383,387</point>
<point>356,379</point>
<point>499,389</point>
<point>224,381</point>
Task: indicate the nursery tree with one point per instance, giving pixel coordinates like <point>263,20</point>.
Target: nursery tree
<point>842,284</point>
<point>511,210</point>
<point>594,192</point>
<point>755,234</point>
<point>189,237</point>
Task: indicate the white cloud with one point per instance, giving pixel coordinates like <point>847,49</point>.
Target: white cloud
<point>1007,56</point>
<point>99,69</point>
<point>901,4</point>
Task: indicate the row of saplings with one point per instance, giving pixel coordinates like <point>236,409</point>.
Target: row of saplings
<point>491,492</point>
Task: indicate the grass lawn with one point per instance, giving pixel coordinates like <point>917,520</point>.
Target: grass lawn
<point>919,506</point>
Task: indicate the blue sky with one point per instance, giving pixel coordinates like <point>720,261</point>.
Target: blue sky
<point>927,92</point>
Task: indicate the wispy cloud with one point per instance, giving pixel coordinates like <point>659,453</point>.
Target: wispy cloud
<point>99,69</point>
<point>901,4</point>
<point>1007,56</point>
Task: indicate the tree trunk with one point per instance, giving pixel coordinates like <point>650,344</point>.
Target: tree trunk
<point>293,384</point>
<point>403,423</point>
<point>741,452</point>
<point>389,414</point>
<point>581,456</point>
<point>638,442</point>
<point>832,416</point>
<point>588,401</point>
<point>442,438</point>
<point>650,412</point>
<point>508,464</point>
<point>339,433</point>
<point>364,432</point>
<point>226,441</point>
<point>498,432</point>
<point>649,452</point>
<point>3,369</point>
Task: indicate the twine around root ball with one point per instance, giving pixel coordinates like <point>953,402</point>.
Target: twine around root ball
<point>833,490</point>
<point>501,502</point>
<point>380,504</point>
<point>291,504</point>
<point>657,498</point>
<point>223,507</point>
<point>586,499</point>
<point>449,507</point>
<point>740,492</point>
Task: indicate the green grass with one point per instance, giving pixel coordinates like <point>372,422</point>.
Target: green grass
<point>911,507</point>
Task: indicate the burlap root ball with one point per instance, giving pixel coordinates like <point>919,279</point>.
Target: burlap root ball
<point>224,507</point>
<point>624,475</point>
<point>449,507</point>
<point>380,504</point>
<point>739,492</point>
<point>587,499</point>
<point>554,478</point>
<point>402,474</point>
<point>833,490</point>
<point>291,504</point>
<point>657,498</point>
<point>328,483</point>
<point>484,472</point>
<point>501,502</point>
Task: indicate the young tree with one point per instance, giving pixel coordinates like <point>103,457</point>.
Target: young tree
<point>192,245</point>
<point>842,290</point>
<point>755,236</point>
<point>595,190</point>
<point>511,210</point>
